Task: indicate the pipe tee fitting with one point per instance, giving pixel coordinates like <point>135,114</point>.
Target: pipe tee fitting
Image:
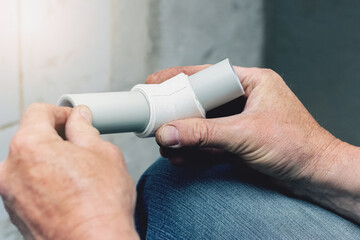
<point>170,100</point>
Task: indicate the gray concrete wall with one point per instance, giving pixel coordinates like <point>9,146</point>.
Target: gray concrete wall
<point>110,45</point>
<point>315,46</point>
<point>197,32</point>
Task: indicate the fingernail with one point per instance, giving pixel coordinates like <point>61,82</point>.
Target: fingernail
<point>170,136</point>
<point>85,112</point>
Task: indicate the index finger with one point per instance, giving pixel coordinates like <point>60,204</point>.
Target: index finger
<point>168,73</point>
<point>44,118</point>
<point>246,75</point>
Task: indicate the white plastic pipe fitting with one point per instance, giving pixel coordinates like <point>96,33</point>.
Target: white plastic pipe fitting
<point>148,106</point>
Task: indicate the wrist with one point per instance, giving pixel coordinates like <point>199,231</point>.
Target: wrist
<point>105,227</point>
<point>86,222</point>
<point>334,182</point>
<point>106,224</point>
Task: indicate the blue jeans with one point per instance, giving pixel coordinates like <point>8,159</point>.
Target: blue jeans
<point>220,202</point>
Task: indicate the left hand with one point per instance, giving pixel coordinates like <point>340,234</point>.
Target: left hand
<point>77,188</point>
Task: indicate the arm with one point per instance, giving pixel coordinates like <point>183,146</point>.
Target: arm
<point>336,184</point>
<point>73,189</point>
<point>275,135</point>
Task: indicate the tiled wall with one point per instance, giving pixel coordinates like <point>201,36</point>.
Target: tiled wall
<point>51,47</point>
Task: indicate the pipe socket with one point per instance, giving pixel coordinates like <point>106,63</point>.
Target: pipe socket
<point>148,106</point>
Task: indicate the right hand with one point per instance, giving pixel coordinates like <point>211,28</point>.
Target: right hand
<point>274,134</point>
<point>78,188</point>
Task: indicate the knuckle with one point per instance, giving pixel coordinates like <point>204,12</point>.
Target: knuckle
<point>37,106</point>
<point>113,150</point>
<point>256,69</point>
<point>18,143</point>
<point>156,78</point>
<point>271,74</point>
<point>34,105</point>
<point>264,72</point>
<point>202,133</point>
<point>150,78</point>
<point>268,71</point>
<point>78,129</point>
<point>267,77</point>
<point>23,144</point>
<point>34,108</point>
<point>163,75</point>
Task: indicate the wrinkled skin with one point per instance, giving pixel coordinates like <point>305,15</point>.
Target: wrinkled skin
<point>275,135</point>
<point>73,189</point>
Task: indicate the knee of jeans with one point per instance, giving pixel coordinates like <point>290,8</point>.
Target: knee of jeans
<point>145,190</point>
<point>192,203</point>
<point>171,197</point>
<point>164,187</point>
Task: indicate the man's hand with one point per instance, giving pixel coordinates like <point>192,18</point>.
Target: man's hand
<point>77,188</point>
<point>275,135</point>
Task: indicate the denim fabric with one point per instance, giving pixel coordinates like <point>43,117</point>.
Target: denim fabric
<point>221,203</point>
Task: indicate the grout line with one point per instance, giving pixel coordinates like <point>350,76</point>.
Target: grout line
<point>20,60</point>
<point>154,33</point>
<point>113,5</point>
<point>8,125</point>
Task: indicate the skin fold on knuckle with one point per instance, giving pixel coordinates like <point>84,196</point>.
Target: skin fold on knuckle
<point>200,134</point>
<point>77,129</point>
<point>158,77</point>
<point>35,106</point>
<point>38,107</point>
<point>113,152</point>
<point>250,78</point>
<point>150,79</point>
<point>267,76</point>
<point>22,143</point>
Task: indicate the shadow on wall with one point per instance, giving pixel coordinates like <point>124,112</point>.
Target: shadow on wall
<point>315,46</point>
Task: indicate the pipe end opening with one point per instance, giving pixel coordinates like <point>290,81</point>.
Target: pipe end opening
<point>66,102</point>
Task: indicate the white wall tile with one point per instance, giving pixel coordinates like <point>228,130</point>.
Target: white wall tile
<point>7,230</point>
<point>9,74</point>
<point>131,43</point>
<point>5,138</point>
<point>66,47</point>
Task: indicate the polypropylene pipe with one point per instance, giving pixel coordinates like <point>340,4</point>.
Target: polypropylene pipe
<point>113,112</point>
<point>148,106</point>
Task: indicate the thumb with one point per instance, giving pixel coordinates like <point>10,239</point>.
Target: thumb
<point>79,129</point>
<point>193,132</point>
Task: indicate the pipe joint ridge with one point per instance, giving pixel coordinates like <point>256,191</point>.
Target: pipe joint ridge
<point>171,100</point>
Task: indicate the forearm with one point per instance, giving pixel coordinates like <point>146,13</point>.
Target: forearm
<point>335,183</point>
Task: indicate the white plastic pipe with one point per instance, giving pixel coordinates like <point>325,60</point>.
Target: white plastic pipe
<point>148,106</point>
<point>113,112</point>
